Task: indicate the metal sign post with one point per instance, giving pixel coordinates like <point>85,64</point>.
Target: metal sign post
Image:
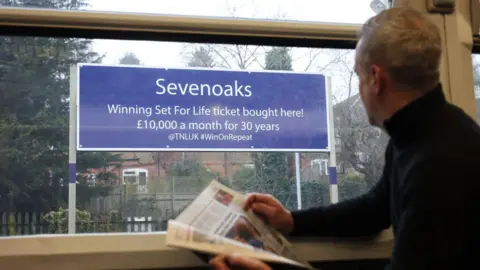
<point>72,152</point>
<point>297,178</point>
<point>332,169</point>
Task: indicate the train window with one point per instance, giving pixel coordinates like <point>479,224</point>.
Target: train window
<point>114,190</point>
<point>476,79</point>
<point>309,10</point>
<point>155,186</point>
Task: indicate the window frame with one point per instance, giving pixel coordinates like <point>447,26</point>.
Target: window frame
<point>476,45</point>
<point>152,27</point>
<point>148,251</point>
<point>127,250</point>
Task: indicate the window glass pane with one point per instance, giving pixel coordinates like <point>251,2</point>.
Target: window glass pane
<point>338,11</point>
<point>476,78</point>
<point>115,191</point>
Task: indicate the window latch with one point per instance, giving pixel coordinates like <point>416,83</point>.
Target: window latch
<point>441,6</point>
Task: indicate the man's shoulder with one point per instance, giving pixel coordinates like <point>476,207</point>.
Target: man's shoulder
<point>455,140</point>
<point>455,144</point>
<point>457,133</point>
<point>459,122</point>
<point>454,150</point>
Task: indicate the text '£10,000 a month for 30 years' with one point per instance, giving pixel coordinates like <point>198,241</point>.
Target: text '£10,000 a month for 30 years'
<point>148,112</point>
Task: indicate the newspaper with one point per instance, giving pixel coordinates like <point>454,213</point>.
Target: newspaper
<point>216,223</point>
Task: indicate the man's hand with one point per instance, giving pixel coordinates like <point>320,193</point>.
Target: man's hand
<point>272,210</point>
<point>237,262</point>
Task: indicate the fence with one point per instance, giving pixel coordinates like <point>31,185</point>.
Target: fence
<point>171,193</point>
<point>12,224</point>
<point>157,201</point>
<point>23,224</point>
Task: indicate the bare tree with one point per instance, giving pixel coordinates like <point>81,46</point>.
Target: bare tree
<point>232,56</point>
<point>203,56</point>
<point>476,74</point>
<point>166,160</point>
<point>362,146</point>
<point>310,57</point>
<point>222,55</point>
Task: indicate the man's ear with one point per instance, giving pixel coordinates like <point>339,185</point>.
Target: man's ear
<point>377,79</point>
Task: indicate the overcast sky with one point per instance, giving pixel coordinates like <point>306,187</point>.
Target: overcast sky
<point>339,11</point>
<point>172,54</point>
<point>163,53</point>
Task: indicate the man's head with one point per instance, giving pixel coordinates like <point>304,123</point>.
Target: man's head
<point>397,60</point>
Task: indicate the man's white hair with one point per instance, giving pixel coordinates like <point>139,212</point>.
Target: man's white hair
<point>406,44</point>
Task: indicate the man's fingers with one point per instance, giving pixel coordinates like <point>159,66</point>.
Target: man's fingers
<point>237,262</point>
<point>250,200</point>
<point>246,263</point>
<point>258,198</point>
<point>219,263</point>
<point>263,198</point>
<point>264,209</point>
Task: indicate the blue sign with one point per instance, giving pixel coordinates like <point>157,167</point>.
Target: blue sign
<point>128,108</point>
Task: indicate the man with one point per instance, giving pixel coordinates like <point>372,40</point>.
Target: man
<point>429,187</point>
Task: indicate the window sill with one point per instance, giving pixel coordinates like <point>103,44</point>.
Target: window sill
<point>136,251</point>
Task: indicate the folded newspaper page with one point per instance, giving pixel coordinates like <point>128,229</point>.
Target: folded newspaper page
<point>215,222</point>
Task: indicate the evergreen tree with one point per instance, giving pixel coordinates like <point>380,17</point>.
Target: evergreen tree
<point>278,59</point>
<point>34,118</point>
<point>270,173</point>
<point>201,57</point>
<point>129,59</point>
<point>272,167</point>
